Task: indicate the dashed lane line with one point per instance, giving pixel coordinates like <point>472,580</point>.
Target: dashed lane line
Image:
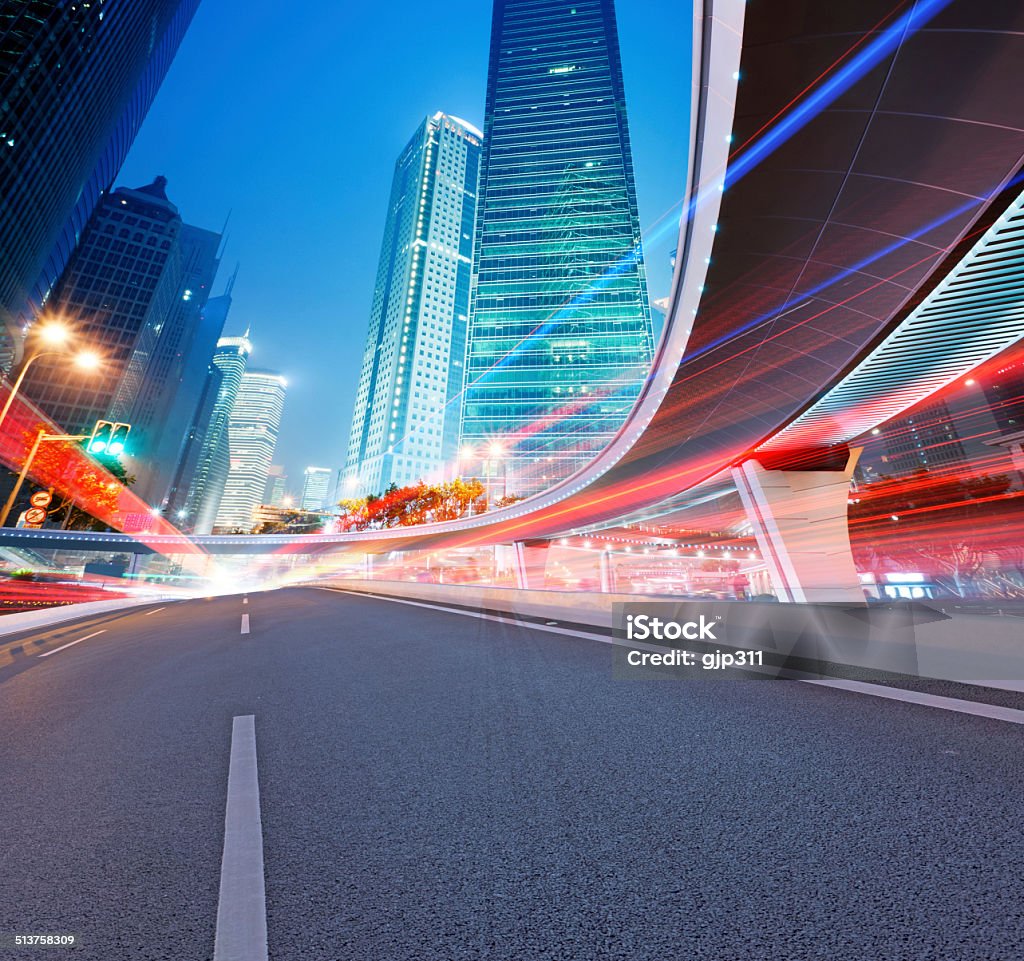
<point>242,906</point>
<point>64,647</point>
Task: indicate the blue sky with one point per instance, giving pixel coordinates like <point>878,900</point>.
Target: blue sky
<point>292,122</point>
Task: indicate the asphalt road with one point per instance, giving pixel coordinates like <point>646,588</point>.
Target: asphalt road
<point>435,786</point>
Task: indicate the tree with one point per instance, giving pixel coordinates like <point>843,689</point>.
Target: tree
<point>408,506</point>
<point>88,491</point>
<point>507,501</point>
<point>100,493</point>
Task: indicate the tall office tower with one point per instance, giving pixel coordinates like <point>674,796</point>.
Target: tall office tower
<point>316,485</point>
<point>560,336</point>
<point>276,489</point>
<point>406,418</point>
<point>161,409</point>
<point>214,460</point>
<point>120,289</point>
<point>76,82</point>
<point>252,438</point>
<point>925,439</point>
<point>195,400</point>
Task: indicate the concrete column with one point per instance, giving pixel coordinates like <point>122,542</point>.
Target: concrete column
<point>530,561</point>
<point>800,521</point>
<point>607,574</point>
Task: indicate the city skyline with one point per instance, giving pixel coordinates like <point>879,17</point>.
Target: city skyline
<point>275,222</point>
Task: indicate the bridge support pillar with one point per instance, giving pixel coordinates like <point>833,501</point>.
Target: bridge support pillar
<point>530,560</point>
<point>800,521</point>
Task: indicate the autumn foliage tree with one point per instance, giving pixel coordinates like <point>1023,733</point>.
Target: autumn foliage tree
<point>418,504</point>
<point>85,490</point>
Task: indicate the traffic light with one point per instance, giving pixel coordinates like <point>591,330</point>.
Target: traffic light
<point>118,438</point>
<point>100,440</point>
<point>108,437</point>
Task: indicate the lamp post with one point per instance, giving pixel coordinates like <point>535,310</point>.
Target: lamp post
<point>54,335</point>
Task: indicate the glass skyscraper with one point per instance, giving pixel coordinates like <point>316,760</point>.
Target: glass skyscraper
<point>406,419</point>
<point>316,488</point>
<point>76,82</point>
<point>118,291</point>
<point>560,336</point>
<point>213,463</point>
<point>252,437</point>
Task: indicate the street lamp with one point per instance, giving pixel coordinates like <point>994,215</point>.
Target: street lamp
<point>54,335</point>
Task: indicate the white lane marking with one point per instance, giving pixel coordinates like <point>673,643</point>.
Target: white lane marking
<point>242,905</point>
<point>157,611</point>
<point>977,708</point>
<point>245,623</point>
<point>245,600</point>
<point>64,647</point>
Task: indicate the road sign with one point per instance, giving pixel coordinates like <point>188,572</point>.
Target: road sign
<point>41,499</point>
<point>35,515</point>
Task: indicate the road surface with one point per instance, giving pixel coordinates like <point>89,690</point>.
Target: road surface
<point>438,786</point>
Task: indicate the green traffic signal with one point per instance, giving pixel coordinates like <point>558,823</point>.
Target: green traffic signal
<point>100,440</point>
<point>108,437</point>
<point>119,438</point>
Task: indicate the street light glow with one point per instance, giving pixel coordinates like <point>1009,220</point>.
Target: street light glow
<point>87,360</point>
<point>54,334</point>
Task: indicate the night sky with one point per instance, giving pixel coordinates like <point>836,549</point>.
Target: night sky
<point>292,122</point>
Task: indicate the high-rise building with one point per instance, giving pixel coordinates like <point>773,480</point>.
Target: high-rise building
<point>275,492</point>
<point>76,82</point>
<point>252,438</point>
<point>118,292</point>
<point>163,407</point>
<point>195,402</point>
<point>560,336</point>
<point>213,461</point>
<point>406,419</point>
<point>316,485</point>
<point>925,439</point>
